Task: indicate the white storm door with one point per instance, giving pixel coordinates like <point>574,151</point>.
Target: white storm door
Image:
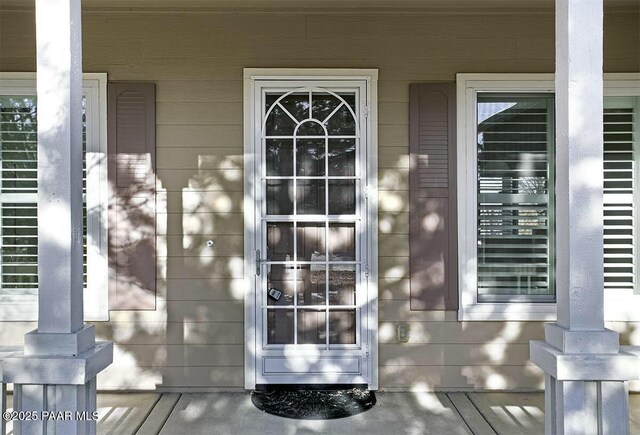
<point>312,306</point>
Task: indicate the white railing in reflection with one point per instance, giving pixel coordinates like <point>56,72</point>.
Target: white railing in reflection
<point>4,352</point>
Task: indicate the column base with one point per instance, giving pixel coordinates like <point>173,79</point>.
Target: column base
<point>619,366</point>
<point>56,393</point>
<point>57,369</point>
<point>64,409</point>
<point>46,343</point>
<point>586,407</point>
<point>586,393</point>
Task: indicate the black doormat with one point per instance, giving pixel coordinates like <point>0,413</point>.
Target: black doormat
<point>314,404</point>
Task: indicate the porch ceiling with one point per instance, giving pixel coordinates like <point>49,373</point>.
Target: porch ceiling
<point>324,5</point>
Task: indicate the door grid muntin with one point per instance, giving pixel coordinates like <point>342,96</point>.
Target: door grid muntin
<point>323,263</point>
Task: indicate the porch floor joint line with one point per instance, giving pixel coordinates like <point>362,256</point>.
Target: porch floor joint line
<point>148,413</point>
<point>164,423</point>
<point>453,403</point>
<point>481,413</point>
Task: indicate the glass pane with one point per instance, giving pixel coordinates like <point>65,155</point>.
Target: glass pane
<point>341,123</point>
<point>280,277</point>
<point>279,157</point>
<point>515,160</point>
<point>269,100</point>
<point>280,241</point>
<point>310,157</point>
<point>312,327</point>
<point>342,284</point>
<point>342,197</point>
<point>279,197</point>
<point>323,104</point>
<point>279,326</point>
<point>297,104</point>
<point>342,241</point>
<point>279,123</point>
<point>311,241</point>
<point>311,197</point>
<point>312,280</point>
<point>342,326</point>
<point>350,99</point>
<point>342,157</point>
<point>310,128</point>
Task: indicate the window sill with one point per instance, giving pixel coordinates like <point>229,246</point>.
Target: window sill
<point>543,312</point>
<point>623,308</point>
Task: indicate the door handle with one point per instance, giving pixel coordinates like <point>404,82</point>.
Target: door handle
<point>259,262</point>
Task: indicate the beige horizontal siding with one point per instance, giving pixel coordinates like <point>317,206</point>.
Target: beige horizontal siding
<point>192,355</point>
<point>393,179</point>
<point>177,222</point>
<point>462,333</point>
<point>188,332</point>
<point>393,157</point>
<point>196,246</point>
<point>197,158</point>
<point>203,377</point>
<point>220,180</point>
<point>194,339</point>
<point>393,223</point>
<point>393,288</point>
<point>198,136</point>
<point>196,113</point>
<point>514,354</point>
<point>219,91</point>
<point>201,201</point>
<point>395,135</point>
<point>159,333</point>
<point>492,377</point>
<point>210,289</point>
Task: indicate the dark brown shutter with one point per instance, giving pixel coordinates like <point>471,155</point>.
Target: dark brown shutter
<point>432,185</point>
<point>132,196</point>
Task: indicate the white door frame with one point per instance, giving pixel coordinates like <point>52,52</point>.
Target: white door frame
<point>251,123</point>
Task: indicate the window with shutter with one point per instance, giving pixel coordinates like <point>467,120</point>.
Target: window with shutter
<point>18,199</point>
<point>506,196</point>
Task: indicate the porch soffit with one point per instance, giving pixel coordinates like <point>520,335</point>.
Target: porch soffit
<point>455,6</point>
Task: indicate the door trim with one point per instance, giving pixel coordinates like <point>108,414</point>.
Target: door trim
<point>251,75</point>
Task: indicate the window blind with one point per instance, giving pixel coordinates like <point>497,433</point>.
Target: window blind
<point>514,208</point>
<point>18,197</point>
<point>620,123</point>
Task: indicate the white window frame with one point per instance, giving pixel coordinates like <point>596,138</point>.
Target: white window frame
<point>96,296</point>
<point>622,306</point>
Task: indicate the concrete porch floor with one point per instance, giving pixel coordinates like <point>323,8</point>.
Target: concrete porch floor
<point>394,413</point>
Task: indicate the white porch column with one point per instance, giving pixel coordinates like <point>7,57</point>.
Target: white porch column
<point>59,78</point>
<point>585,370</point>
<point>57,370</point>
